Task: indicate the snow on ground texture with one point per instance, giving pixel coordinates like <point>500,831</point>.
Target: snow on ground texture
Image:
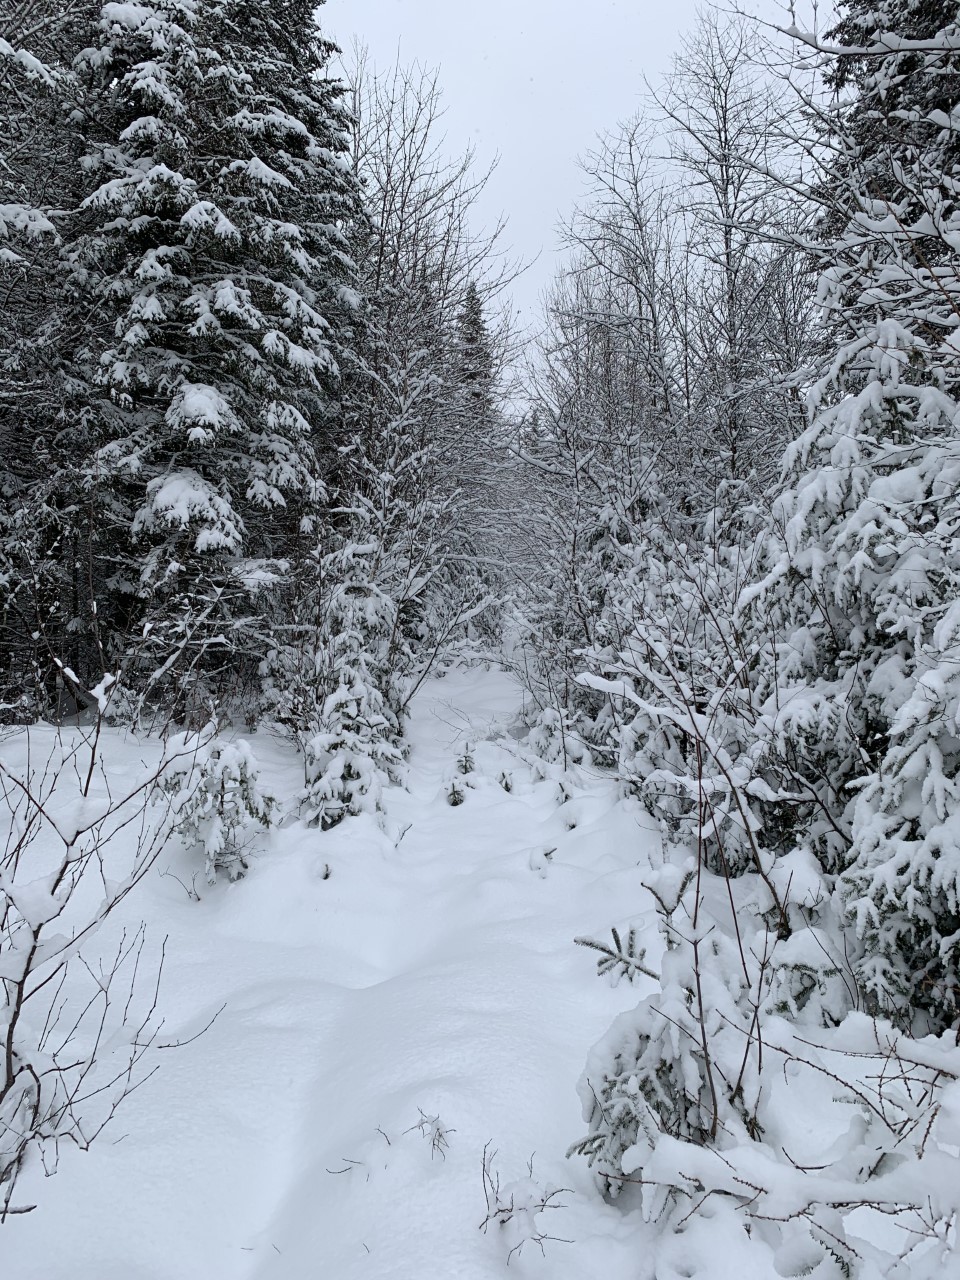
<point>431,974</point>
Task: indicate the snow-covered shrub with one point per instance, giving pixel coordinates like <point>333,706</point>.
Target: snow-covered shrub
<point>701,1094</point>
<point>808,982</point>
<point>213,790</point>
<point>809,977</point>
<point>887,1157</point>
<point>554,739</point>
<point>338,679</point>
<point>676,666</point>
<point>685,1061</point>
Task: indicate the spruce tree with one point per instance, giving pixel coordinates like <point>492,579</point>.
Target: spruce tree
<point>864,566</point>
<point>473,353</point>
<point>215,247</point>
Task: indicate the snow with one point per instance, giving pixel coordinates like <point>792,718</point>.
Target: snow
<point>368,979</point>
<point>370,1047</point>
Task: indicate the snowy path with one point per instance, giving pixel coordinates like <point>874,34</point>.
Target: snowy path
<point>432,973</point>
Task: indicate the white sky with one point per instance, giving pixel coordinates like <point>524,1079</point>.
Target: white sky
<point>534,81</point>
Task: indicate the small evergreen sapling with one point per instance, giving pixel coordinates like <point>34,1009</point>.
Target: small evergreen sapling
<point>348,762</point>
<point>215,798</point>
<point>354,749</point>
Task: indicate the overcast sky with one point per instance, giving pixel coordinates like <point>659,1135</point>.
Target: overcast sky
<point>531,80</point>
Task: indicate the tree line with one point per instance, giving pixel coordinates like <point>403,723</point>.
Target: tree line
<point>249,347</point>
<point>744,419</point>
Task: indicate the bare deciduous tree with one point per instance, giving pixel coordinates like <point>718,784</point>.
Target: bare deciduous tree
<point>75,1026</point>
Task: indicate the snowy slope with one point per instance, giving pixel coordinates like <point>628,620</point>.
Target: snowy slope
<point>369,980</point>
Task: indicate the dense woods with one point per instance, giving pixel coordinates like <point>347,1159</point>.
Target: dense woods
<point>266,460</point>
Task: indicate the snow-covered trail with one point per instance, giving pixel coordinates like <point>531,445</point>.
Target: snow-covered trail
<point>370,979</point>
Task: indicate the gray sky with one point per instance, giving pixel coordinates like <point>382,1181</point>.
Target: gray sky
<point>531,80</point>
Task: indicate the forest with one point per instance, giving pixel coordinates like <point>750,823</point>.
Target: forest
<point>433,749</point>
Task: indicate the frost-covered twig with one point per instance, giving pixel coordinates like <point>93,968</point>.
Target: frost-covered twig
<point>74,1032</point>
<point>515,1208</point>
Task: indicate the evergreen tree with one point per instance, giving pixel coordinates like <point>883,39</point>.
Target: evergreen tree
<point>474,356</point>
<point>354,749</point>
<point>215,249</point>
<point>864,562</point>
